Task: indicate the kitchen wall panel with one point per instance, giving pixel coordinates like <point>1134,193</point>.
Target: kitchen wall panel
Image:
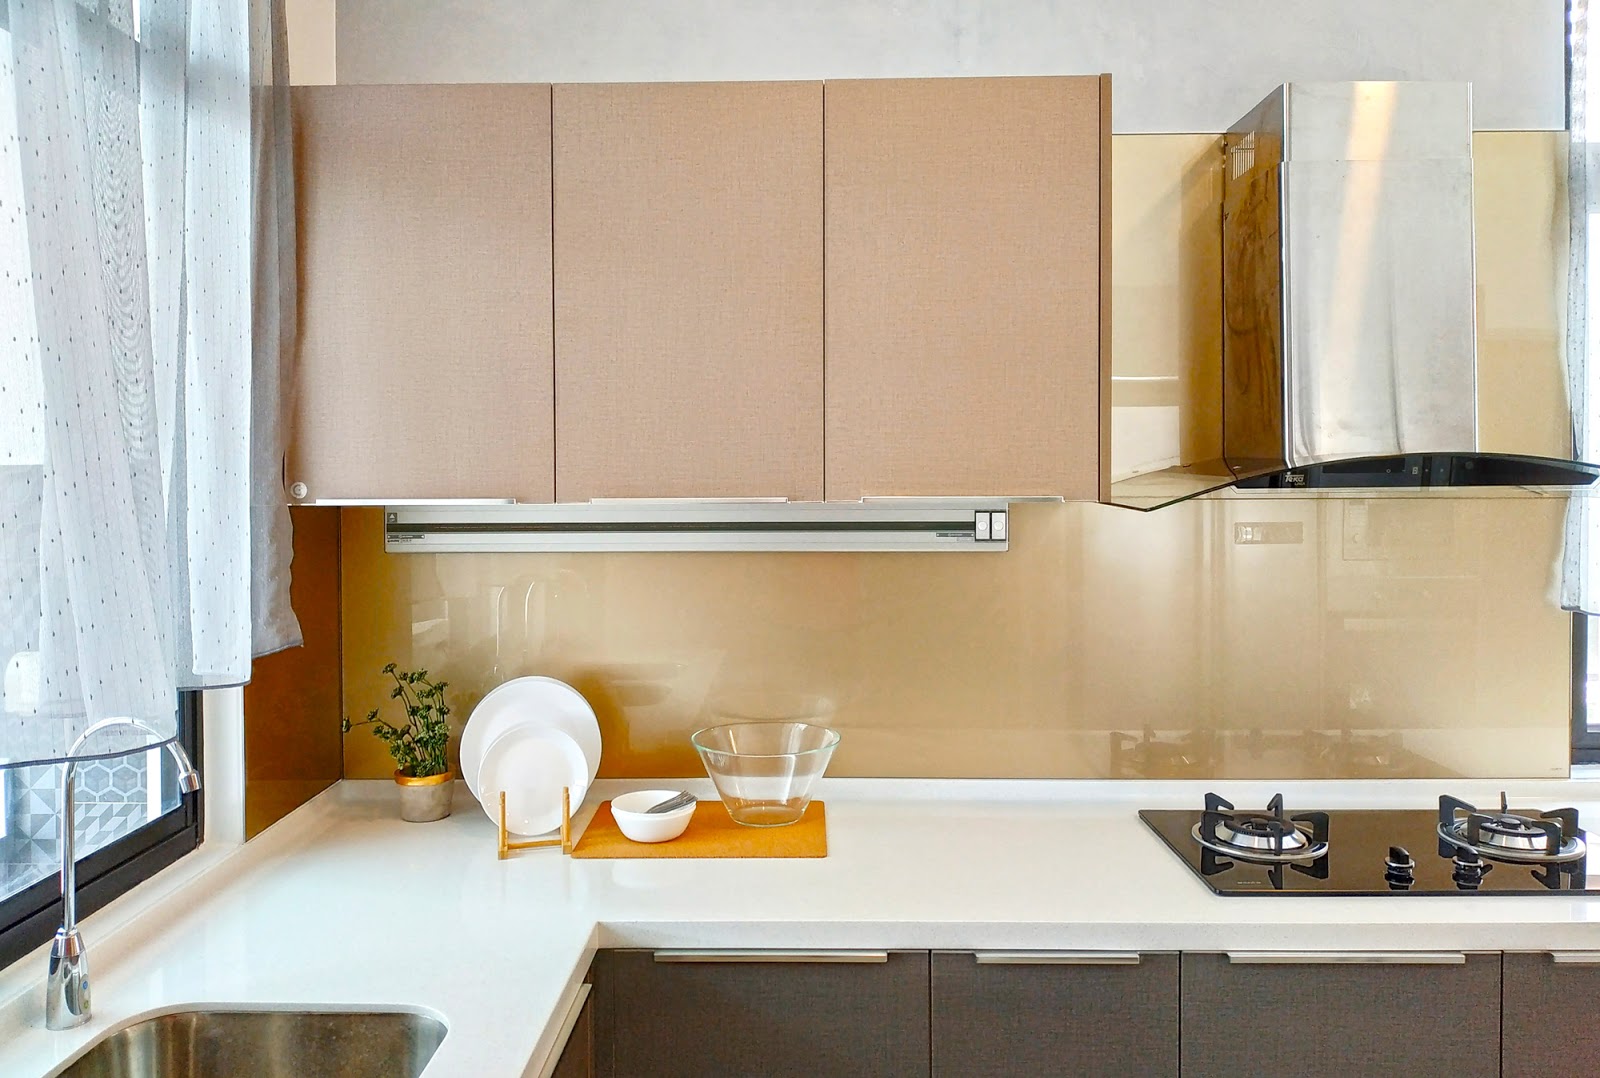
<point>1380,637</point>
<point>292,748</point>
<point>1249,635</point>
<point>1519,184</point>
<point>1179,65</point>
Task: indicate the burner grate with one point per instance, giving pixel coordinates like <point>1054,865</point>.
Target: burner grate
<point>1261,837</point>
<point>1549,837</point>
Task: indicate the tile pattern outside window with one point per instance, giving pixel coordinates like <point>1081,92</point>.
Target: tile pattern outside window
<point>114,799</point>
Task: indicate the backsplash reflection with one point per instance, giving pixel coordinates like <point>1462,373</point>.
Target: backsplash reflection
<point>1242,637</point>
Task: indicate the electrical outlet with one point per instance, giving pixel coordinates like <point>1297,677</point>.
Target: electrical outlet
<point>1265,532</point>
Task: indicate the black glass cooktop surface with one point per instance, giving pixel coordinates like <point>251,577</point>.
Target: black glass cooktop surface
<point>1379,851</point>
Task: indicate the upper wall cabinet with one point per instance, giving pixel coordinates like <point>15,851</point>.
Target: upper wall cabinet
<point>688,285</point>
<point>966,249</point>
<point>425,364</point>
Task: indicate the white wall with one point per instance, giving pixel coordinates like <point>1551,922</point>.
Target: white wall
<point>1179,65</point>
<point>311,41</point>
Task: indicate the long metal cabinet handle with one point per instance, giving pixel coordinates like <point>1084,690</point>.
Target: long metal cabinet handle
<point>1057,958</point>
<point>1575,958</point>
<point>1350,958</point>
<point>841,957</point>
<point>564,1033</point>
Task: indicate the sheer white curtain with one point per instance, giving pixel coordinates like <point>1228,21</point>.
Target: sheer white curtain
<point>144,242</point>
<point>1580,576</point>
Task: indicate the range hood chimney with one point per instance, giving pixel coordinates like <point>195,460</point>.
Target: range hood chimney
<point>1349,337</point>
<point>1349,340</point>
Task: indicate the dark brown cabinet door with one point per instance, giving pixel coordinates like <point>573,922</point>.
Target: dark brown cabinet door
<point>577,1058</point>
<point>1037,1014</point>
<point>1545,1025</point>
<point>787,1016</point>
<point>1325,1016</point>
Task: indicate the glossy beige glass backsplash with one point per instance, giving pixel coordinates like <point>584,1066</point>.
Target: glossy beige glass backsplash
<point>1241,636</point>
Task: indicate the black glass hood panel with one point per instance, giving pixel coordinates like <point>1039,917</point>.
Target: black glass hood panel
<point>1422,470</point>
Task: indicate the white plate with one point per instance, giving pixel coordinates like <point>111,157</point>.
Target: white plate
<point>531,765</point>
<point>543,702</point>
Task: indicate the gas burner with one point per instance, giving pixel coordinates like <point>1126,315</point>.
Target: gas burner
<point>1259,832</point>
<point>1265,838</point>
<point>1509,836</point>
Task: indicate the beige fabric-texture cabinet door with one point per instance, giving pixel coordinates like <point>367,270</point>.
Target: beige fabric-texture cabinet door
<point>964,255</point>
<point>688,283</point>
<point>425,360</point>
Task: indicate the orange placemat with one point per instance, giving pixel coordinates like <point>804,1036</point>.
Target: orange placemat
<point>711,833</point>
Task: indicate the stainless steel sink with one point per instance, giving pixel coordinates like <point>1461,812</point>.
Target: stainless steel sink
<point>265,1044</point>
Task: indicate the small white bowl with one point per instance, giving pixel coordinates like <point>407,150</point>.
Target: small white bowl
<point>641,826</point>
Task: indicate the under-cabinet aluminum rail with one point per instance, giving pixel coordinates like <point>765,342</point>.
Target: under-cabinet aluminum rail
<point>661,526</point>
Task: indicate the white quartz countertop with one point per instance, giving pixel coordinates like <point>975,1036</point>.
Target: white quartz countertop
<point>341,905</point>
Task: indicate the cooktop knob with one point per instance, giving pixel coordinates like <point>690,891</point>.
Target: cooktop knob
<point>1399,869</point>
<point>1469,869</point>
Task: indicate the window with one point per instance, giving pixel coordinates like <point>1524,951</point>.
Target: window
<point>131,823</point>
<point>1585,690</point>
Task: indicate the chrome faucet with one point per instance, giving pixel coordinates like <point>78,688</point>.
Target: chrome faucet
<point>66,990</point>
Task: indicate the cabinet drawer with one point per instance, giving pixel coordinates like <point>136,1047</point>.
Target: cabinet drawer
<point>1043,1013</point>
<point>1543,1027</point>
<point>1333,1016</point>
<point>763,1019</point>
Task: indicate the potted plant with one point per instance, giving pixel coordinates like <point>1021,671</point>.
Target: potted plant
<point>419,746</point>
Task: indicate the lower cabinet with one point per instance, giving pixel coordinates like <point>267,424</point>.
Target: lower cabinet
<point>577,1057</point>
<point>965,1014</point>
<point>1545,1026</point>
<point>761,1014</point>
<point>1341,1015</point>
<point>1004,1014</point>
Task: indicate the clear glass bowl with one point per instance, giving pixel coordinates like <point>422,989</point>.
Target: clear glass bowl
<point>764,771</point>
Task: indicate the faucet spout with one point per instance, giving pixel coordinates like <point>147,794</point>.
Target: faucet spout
<point>188,776</point>
<point>66,999</point>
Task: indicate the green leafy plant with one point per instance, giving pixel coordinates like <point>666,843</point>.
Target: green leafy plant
<point>419,747</point>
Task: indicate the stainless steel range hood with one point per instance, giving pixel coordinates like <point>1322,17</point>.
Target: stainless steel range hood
<point>1349,355</point>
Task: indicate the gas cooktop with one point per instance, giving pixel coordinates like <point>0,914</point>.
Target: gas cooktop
<point>1459,850</point>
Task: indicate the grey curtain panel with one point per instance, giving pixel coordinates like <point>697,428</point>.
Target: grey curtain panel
<point>146,270</point>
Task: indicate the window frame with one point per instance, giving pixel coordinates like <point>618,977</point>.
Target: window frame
<point>30,917</point>
<point>1585,740</point>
